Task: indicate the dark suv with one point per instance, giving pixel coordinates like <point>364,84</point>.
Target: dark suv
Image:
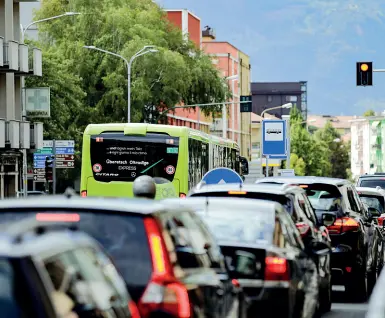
<point>351,230</point>
<point>171,265</point>
<point>296,203</point>
<point>51,270</point>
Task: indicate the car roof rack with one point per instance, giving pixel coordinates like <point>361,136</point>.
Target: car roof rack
<point>18,229</point>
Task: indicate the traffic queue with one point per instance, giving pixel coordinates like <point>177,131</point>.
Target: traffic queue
<point>270,249</point>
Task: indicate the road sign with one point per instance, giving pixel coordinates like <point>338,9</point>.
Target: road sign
<point>274,138</point>
<point>287,172</point>
<point>58,143</point>
<point>65,164</point>
<point>39,174</point>
<point>221,176</point>
<point>246,107</point>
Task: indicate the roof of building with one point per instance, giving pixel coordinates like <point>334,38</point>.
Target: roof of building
<point>338,122</point>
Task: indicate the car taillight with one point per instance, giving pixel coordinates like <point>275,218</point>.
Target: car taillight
<point>381,219</point>
<point>83,194</point>
<point>133,309</point>
<point>163,292</point>
<point>276,269</point>
<point>303,228</point>
<point>182,195</point>
<point>342,225</point>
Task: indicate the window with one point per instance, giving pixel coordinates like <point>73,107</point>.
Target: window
<point>310,210</point>
<point>372,183</point>
<point>352,202</point>
<point>118,157</point>
<point>290,231</point>
<point>291,98</point>
<point>305,206</point>
<point>279,238</point>
<point>186,238</point>
<point>198,161</point>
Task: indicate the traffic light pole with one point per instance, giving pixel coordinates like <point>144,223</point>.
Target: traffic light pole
<point>379,70</point>
<point>54,167</point>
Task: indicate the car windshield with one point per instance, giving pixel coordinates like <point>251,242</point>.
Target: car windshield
<point>122,235</point>
<point>373,201</point>
<point>243,227</point>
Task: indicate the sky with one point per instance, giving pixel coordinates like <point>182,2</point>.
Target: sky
<point>318,41</point>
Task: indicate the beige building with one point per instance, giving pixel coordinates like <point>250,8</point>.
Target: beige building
<point>341,123</point>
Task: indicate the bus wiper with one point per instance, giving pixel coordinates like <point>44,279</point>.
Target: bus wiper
<point>153,165</point>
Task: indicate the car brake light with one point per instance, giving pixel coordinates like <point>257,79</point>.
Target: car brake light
<point>303,228</point>
<point>345,224</point>
<point>182,195</point>
<point>133,309</point>
<point>237,192</point>
<point>276,268</point>
<point>57,217</point>
<point>381,219</point>
<point>163,292</point>
<point>83,194</point>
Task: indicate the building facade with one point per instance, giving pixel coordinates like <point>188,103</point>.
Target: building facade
<point>340,123</point>
<point>272,94</point>
<point>15,130</point>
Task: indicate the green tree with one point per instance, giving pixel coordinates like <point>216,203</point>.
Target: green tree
<point>298,164</point>
<point>369,113</point>
<point>179,72</point>
<point>338,151</point>
<point>305,146</point>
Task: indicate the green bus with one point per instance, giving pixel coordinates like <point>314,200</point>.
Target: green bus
<point>114,155</point>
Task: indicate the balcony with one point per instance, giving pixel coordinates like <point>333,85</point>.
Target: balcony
<point>16,134</point>
<point>14,58</point>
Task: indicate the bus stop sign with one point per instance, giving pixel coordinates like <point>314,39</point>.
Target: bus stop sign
<point>221,176</point>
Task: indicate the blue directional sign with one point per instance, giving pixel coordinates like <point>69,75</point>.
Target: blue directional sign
<point>221,176</point>
<point>274,139</point>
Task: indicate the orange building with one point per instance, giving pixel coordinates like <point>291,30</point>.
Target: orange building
<point>190,25</point>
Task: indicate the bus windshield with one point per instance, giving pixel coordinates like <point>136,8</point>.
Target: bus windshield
<point>117,157</point>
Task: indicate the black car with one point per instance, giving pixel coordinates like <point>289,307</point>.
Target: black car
<point>170,267</point>
<point>265,252</point>
<point>372,180</point>
<point>351,230</point>
<point>297,204</point>
<point>51,270</point>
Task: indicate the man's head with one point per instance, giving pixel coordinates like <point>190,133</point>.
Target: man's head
<point>144,187</point>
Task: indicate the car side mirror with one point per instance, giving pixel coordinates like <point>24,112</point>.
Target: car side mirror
<point>328,219</point>
<point>319,248</point>
<point>186,257</point>
<point>244,265</point>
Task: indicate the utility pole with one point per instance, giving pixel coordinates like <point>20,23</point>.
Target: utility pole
<point>54,167</point>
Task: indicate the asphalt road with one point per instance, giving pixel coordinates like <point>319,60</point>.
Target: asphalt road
<point>342,309</point>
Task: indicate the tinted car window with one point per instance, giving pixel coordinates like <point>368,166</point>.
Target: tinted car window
<point>243,226</point>
<point>373,201</point>
<point>372,183</point>
<point>324,197</point>
<point>118,157</point>
<point>13,302</point>
<point>123,236</point>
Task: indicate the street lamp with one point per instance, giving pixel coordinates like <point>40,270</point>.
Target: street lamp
<point>22,84</point>
<point>288,105</point>
<point>146,49</point>
<point>23,30</point>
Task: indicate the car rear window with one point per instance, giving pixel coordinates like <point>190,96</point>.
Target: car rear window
<point>372,182</point>
<point>123,236</point>
<point>373,201</point>
<point>244,226</point>
<point>282,199</point>
<point>324,197</point>
<point>119,157</point>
